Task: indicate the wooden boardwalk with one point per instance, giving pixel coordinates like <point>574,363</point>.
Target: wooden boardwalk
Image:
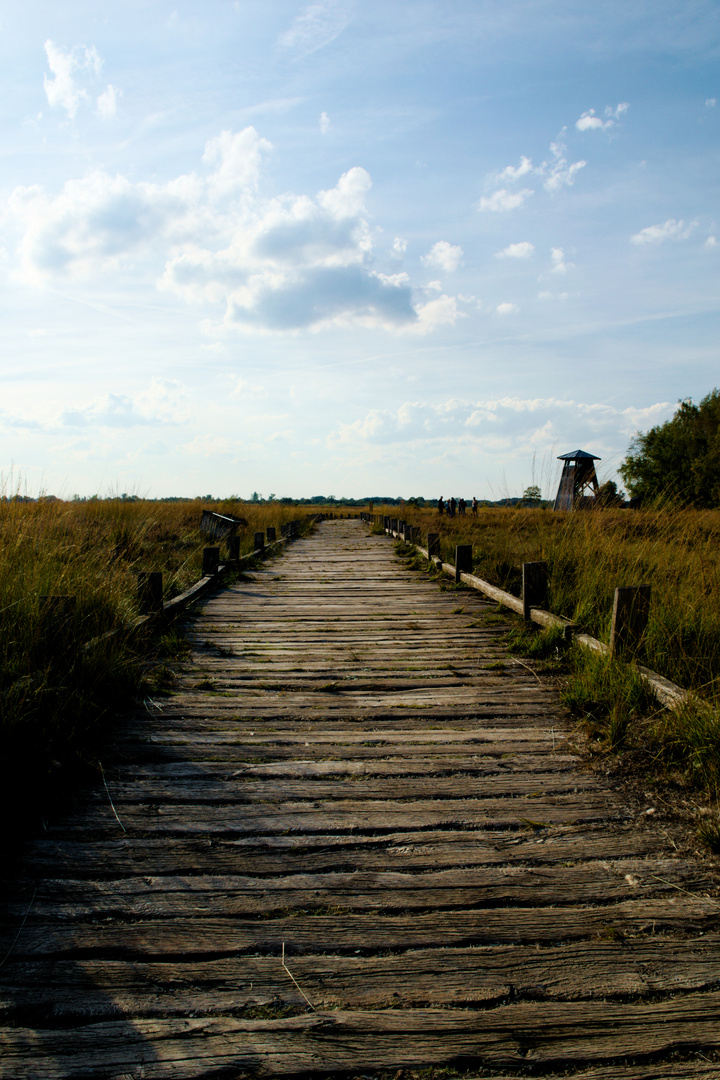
<point>354,769</point>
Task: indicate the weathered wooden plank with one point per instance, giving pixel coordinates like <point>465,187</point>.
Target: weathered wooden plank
<point>321,1043</point>
<point>208,936</point>
<point>239,817</point>
<point>224,895</point>
<point>98,859</point>
<point>94,989</point>
<point>249,784</point>
<point>484,768</point>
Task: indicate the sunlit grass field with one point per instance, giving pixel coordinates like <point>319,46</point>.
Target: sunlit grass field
<point>589,554</point>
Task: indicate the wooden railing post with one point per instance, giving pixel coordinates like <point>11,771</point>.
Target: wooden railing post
<point>233,548</point>
<point>211,561</point>
<point>534,586</point>
<point>433,544</point>
<point>271,534</point>
<point>259,542</point>
<point>150,592</point>
<point>463,561</point>
<point>631,608</point>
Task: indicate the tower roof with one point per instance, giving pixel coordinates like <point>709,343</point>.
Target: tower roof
<point>578,454</point>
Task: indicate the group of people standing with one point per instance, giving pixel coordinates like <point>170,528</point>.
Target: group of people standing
<point>455,506</point>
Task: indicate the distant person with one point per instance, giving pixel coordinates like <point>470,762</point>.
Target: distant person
<point>441,505</point>
<point>474,505</point>
<point>461,506</point>
<point>453,506</point>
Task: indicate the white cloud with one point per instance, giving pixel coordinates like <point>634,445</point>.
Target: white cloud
<point>236,158</point>
<point>107,102</point>
<point>399,246</point>
<point>590,122</point>
<point>211,446</point>
<point>515,172</point>
<point>285,264</point>
<point>557,172</point>
<point>559,266</point>
<point>73,70</point>
<point>443,256</point>
<point>442,311</point>
<point>546,295</point>
<point>522,250</point>
<point>503,200</point>
<point>318,25</point>
<point>502,429</point>
<point>324,123</point>
<point>669,230</point>
<point>161,403</point>
<point>711,102</point>
<point>248,390</point>
<point>507,309</point>
<point>711,242</point>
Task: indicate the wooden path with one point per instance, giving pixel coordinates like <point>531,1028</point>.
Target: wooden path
<point>353,768</point>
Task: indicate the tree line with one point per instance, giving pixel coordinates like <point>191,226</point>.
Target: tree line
<point>680,459</point>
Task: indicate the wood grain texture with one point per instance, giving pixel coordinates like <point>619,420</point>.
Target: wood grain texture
<point>350,767</point>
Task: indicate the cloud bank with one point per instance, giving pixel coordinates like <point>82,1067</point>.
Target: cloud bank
<point>510,427</point>
<point>284,264</point>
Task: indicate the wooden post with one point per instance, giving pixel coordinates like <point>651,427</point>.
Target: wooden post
<point>534,586</point>
<point>149,592</point>
<point>433,544</point>
<point>233,548</point>
<point>463,561</point>
<point>271,534</point>
<point>259,542</point>
<point>211,561</point>
<point>631,608</point>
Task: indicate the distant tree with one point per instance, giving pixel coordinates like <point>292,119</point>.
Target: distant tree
<point>679,459</point>
<point>532,495</point>
<point>608,494</point>
<point>256,497</point>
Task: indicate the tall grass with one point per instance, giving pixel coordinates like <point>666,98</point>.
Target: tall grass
<point>62,677</point>
<point>590,553</point>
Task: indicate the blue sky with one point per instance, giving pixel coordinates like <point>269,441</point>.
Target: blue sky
<point>351,248</point>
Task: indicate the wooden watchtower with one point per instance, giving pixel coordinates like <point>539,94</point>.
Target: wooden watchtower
<point>578,483</point>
